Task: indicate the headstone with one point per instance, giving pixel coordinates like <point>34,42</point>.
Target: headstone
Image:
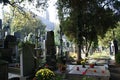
<point>50,50</point>
<point>115,46</point>
<point>0,1</point>
<point>0,24</point>
<point>9,41</point>
<point>27,60</point>
<point>3,70</point>
<point>1,43</point>
<point>6,54</point>
<point>17,35</point>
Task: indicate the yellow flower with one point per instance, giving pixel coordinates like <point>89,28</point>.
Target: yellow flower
<point>83,61</point>
<point>44,74</point>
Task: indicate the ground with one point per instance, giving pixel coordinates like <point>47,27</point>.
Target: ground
<point>114,70</point>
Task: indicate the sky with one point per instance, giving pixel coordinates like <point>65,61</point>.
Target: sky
<point>0,11</point>
<point>52,11</point>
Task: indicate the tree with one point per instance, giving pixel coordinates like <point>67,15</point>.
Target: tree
<point>108,37</point>
<point>23,23</point>
<point>87,18</point>
<point>14,3</point>
<point>117,33</point>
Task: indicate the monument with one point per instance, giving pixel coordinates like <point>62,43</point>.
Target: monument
<point>50,50</point>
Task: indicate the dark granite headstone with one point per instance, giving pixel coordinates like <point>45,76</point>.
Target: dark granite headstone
<point>6,54</point>
<point>115,46</point>
<point>3,70</point>
<point>1,43</point>
<point>9,40</point>
<point>50,50</point>
<point>0,24</point>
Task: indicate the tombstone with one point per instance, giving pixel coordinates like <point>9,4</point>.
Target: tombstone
<point>3,70</point>
<point>50,50</point>
<point>27,61</point>
<point>6,54</point>
<point>115,42</point>
<point>1,43</point>
<point>9,41</point>
<point>0,24</point>
<point>17,35</point>
<point>0,1</point>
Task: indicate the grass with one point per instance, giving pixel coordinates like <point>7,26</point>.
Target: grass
<point>100,55</point>
<point>95,55</point>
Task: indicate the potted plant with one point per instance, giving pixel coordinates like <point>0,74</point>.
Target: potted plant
<point>91,65</point>
<point>44,74</point>
<point>83,62</point>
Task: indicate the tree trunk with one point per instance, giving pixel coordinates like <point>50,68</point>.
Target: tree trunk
<point>79,52</point>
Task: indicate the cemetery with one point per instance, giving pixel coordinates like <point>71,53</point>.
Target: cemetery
<point>25,62</point>
<point>82,43</point>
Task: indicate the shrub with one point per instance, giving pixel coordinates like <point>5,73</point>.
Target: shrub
<point>44,74</point>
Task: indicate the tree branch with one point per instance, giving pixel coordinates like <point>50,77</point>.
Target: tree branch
<point>108,3</point>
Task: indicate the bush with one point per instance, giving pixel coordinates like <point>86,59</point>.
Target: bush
<point>117,58</point>
<point>44,74</point>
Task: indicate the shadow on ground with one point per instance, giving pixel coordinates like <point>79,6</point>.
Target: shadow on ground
<point>114,72</point>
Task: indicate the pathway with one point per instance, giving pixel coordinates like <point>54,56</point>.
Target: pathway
<point>114,71</point>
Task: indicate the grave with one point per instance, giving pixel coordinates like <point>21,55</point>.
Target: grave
<point>26,69</point>
<point>27,62</point>
<point>50,50</point>
<point>3,70</point>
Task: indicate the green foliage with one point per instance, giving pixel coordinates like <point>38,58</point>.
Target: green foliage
<point>109,36</point>
<point>100,55</point>
<point>39,3</point>
<point>45,74</point>
<point>58,77</point>
<point>117,58</point>
<point>20,44</point>
<point>88,78</point>
<point>82,21</point>
<point>26,24</point>
<point>85,14</point>
<point>117,33</point>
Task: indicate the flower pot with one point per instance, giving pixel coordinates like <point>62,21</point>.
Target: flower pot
<point>91,65</point>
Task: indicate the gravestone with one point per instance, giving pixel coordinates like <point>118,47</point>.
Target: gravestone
<point>17,35</point>
<point>0,24</point>
<point>6,54</point>
<point>27,67</point>
<point>1,43</point>
<point>10,42</point>
<point>3,70</point>
<point>115,42</point>
<point>50,50</point>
